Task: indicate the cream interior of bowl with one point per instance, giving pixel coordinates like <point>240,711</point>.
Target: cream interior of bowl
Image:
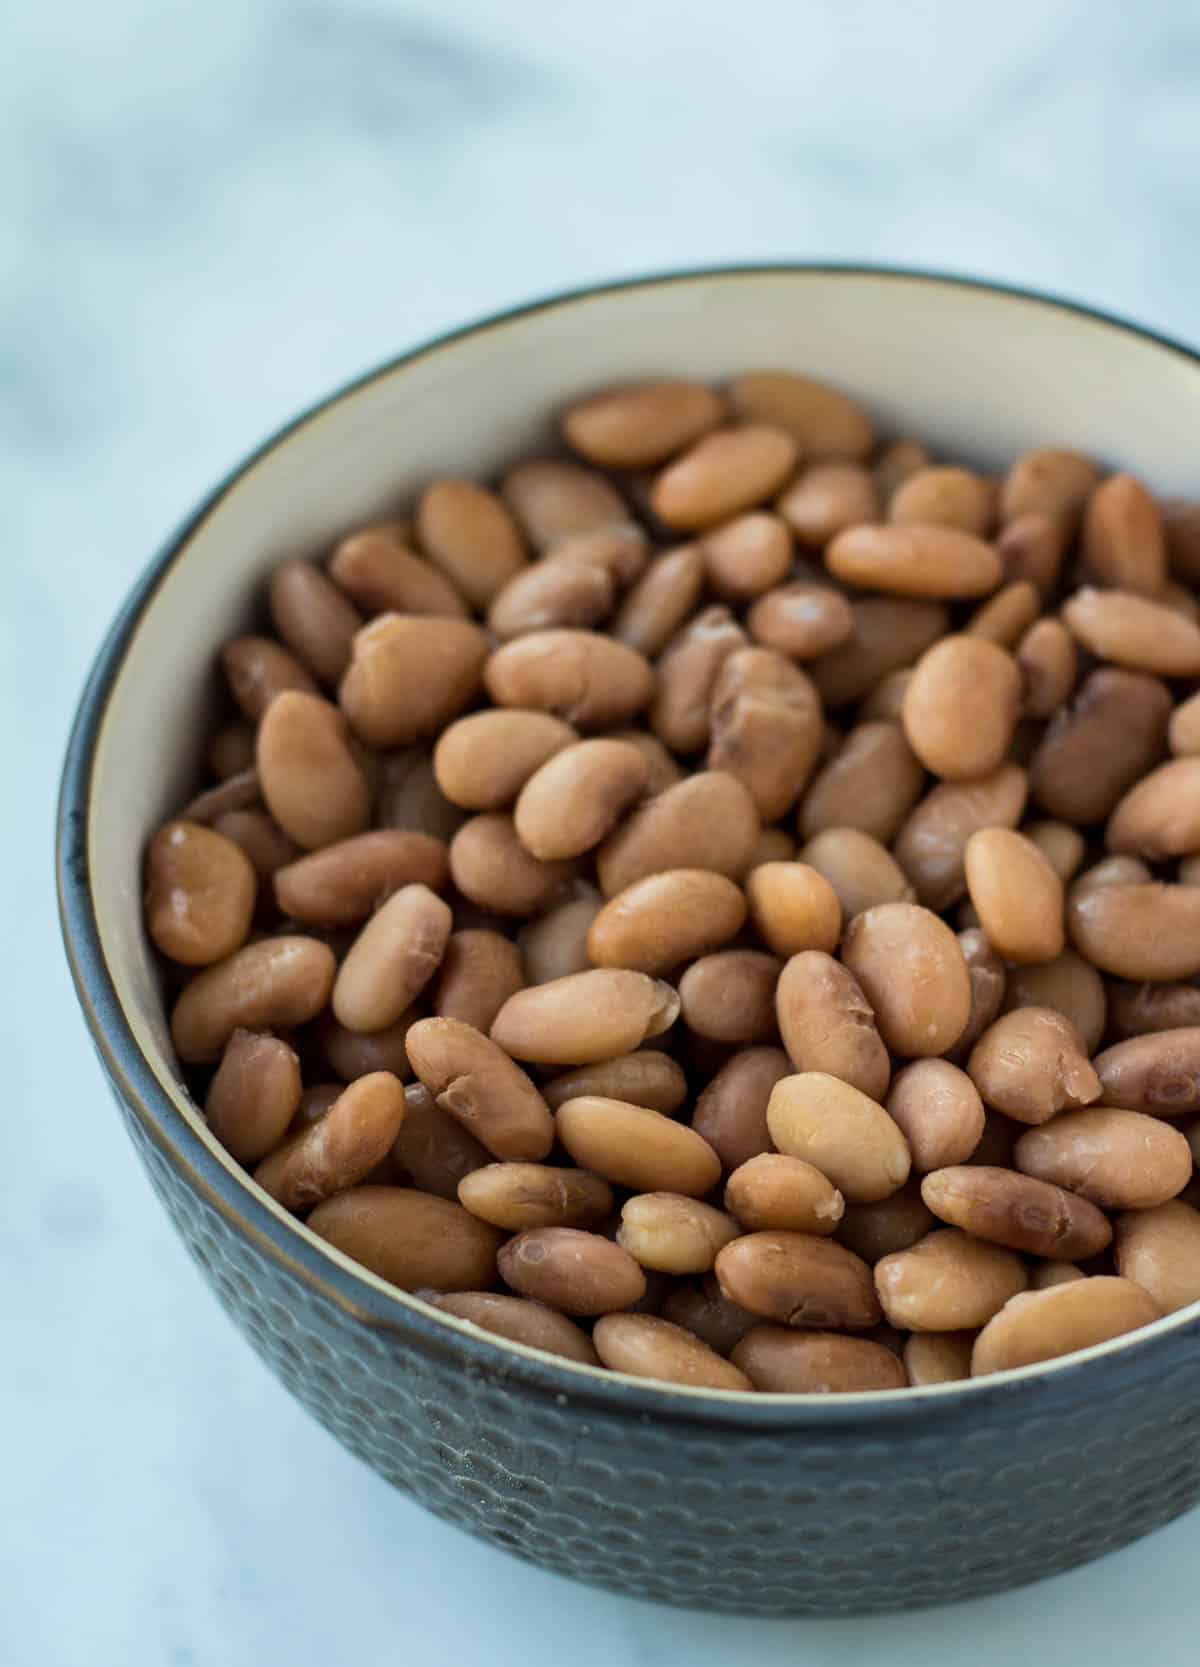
<point>977,374</point>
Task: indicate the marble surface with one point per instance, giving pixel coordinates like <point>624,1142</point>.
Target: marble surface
<point>211,215</point>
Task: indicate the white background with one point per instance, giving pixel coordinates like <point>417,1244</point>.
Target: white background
<point>208,216</point>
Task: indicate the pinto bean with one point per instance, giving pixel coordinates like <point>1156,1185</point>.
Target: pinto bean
<point>517,1196</point>
<point>572,1270</point>
<point>774,1189</point>
<point>200,894</point>
<point>731,1113</point>
<point>786,1362</point>
<point>314,618</point>
<point>343,883</point>
<point>311,780</point>
<point>938,1110</point>
<point>826,498</point>
<point>1124,543</point>
<point>802,620</point>
<point>469,533</point>
<point>636,1147</point>
<point>381,574</point>
<point>647,1347</point>
<point>478,1083</point>
<point>931,846</point>
<point>1068,984</point>
<point>277,983</point>
<point>410,1239</point>
<point>872,783</point>
<point>765,727</point>
<point>880,1229</point>
<point>1132,631</point>
<point>1032,1063</point>
<point>479,971</point>
<point>723,474</point>
<point>888,633</point>
<point>254,1095</point>
<point>657,605</point>
<point>585,1018</point>
<point>730,996</point>
<point>842,1132</point>
<point>828,1025</point>
<point>1144,930</point>
<point>798,1280</point>
<point>940,563</point>
<point>1121,1160</point>
<point>1049,481</point>
<point>645,1078</point>
<point>944,496</point>
<point>674,1233</point>
<point>1018,1211</point>
<point>1157,1074</point>
<point>1159,1250</point>
<point>553,500</point>
<point>521,1321</point>
<point>491,866</point>
<point>948,1281</point>
<point>862,872</point>
<point>590,680</point>
<point>555,945</point>
<point>708,820</point>
<point>909,965</point>
<point>341,1148</point>
<point>636,426</point>
<point>1018,896</point>
<point>747,556</point>
<point>409,675</point>
<point>960,708</point>
<point>1043,1325</point>
<point>575,798</point>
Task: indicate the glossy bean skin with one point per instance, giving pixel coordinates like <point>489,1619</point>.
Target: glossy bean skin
<point>799,1280</point>
<point>1093,750</point>
<point>1141,931</point>
<point>392,959</point>
<point>801,619</point>
<point>708,820</point>
<point>341,884</point>
<point>648,1347</point>
<point>315,619</point>
<point>590,681</point>
<point>938,1110</point>
<point>378,571</point>
<point>723,474</point>
<point>339,1149</point>
<point>585,1018</point>
<point>574,799</point>
<point>938,1357</point>
<point>479,971</point>
<point>1159,1250</point>
<point>518,1196</point>
<point>944,496</point>
<point>1015,1210</point>
<point>912,972</point>
<point>931,845</point>
<point>1017,894</point>
<point>826,422</point>
<point>490,865</point>
<point>409,675</point>
<point>961,706</point>
<point>274,984</point>
<point>351,1054</point>
<point>571,1270</point>
<point>311,781</point>
<point>774,1190</point>
<point>730,996</point>
<point>1048,664</point>
<point>257,669</point>
<point>411,1239</point>
<point>482,761</point>
<point>842,1132</point>
<point>471,536</point>
<point>1006,616</point>
<point>828,1025</point>
<point>871,784</point>
<point>549,595</point>
<point>647,1077</point>
<point>939,563</point>
<point>476,1082</point>
<point>1139,1009</point>
<point>553,500</point>
<point>731,1113</point>
<point>793,908</point>
<point>656,606</point>
<point>200,892</point>
<point>1068,984</point>
<point>862,871</point>
<point>1124,542</point>
<point>1121,1160</point>
<point>637,426</point>
<point>1043,1325</point>
<point>1132,631</point>
<point>765,728</point>
<point>747,556</point>
<point>519,1320</point>
<point>1159,817</point>
<point>635,1147</point>
<point>1158,1074</point>
<point>825,498</point>
<point>948,1281</point>
<point>1032,1063</point>
<point>254,1095</point>
<point>786,1362</point>
<point>674,1233</point>
<point>681,714</point>
<point>433,1148</point>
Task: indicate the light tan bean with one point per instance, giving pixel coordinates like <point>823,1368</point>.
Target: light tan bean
<point>568,1269</point>
<point>479,971</point>
<point>517,1196</point>
<point>377,570</point>
<point>647,1347</point>
<point>1018,896</point>
<point>1133,631</point>
<point>574,799</point>
<point>254,1095</point>
<point>937,1357</point>
<point>410,1239</point>
<point>674,1233</point>
<point>636,1147</point>
<point>552,593</point>
<point>257,669</point>
<point>586,1017</point>
<point>482,761</point>
<point>1159,817</point>
<point>314,618</point>
<point>310,778</point>
<point>1032,547</point>
<point>1043,1325</point>
<point>826,498</point>
<point>1137,1009</point>
<point>660,601</point>
<point>392,959</point>
<point>351,1054</point>
<point>1018,1211</point>
<point>802,620</point>
<point>1049,481</point>
<point>708,820</point>
<point>1158,1074</point>
<point>1068,984</point>
<point>888,634</point>
<point>775,1189</point>
<point>794,908</point>
<point>1121,1160</point>
<point>553,500</point>
<point>433,1148</point>
<point>687,675</point>
<point>1138,931</point>
<point>341,1148</point>
<point>930,847</point>
<point>1048,664</point>
<point>826,423</point>
<point>640,425</point>
<point>915,561</point>
<point>555,945</point>
<point>944,496</point>
<point>723,474</point>
<point>842,1132</point>
<point>730,996</point>
<point>938,1110</point>
<point>1159,1250</point>
<point>231,750</point>
<point>274,984</point>
<point>521,1321</point>
<point>645,1078</point>
<point>200,893</point>
<point>701,1307</point>
<point>871,784</point>
<point>1006,617</point>
<point>731,1113</point>
<point>475,1081</point>
<point>1124,543</point>
<point>911,969</point>
<point>785,1362</point>
<point>410,675</point>
<point>1109,736</point>
<point>800,1280</point>
<point>765,726</point>
<point>665,919</point>
<point>1183,731</point>
<point>1063,846</point>
<point>469,534</point>
<point>1032,1063</point>
<point>896,464</point>
<point>862,872</point>
<point>341,884</point>
<point>747,556</point>
<point>828,1025</point>
<point>960,708</point>
<point>948,1281</point>
<point>590,680</point>
<point>491,866</point>
<point>410,798</point>
<point>876,1230</point>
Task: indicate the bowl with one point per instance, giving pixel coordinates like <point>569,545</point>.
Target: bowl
<point>792,1504</point>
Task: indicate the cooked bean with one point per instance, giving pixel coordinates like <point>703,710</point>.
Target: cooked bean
<point>483,761</point>
<point>826,423</point>
<point>410,1239</point>
<point>772,845</point>
<point>1114,871</point>
<point>862,872</point>
<point>1046,1274</point>
<point>765,726</point>
<point>1183,730</point>
<point>1133,631</point>
<point>889,1225</point>
<point>637,426</point>
<point>1158,1074</point>
<point>687,675</point>
<point>937,1357</point>
<point>392,959</point>
<point>469,534</point>
<point>802,620</point>
<point>1159,1250</point>
<point>1159,817</point>
<point>747,556</point>
<point>377,570</point>
<point>731,1113</point>
<point>708,820</point>
<point>257,669</point>
<point>521,1321</point>
<point>577,1272</point>
<point>730,997</point>
<point>1048,663</point>
<point>1062,846</point>
<point>944,496</point>
<point>1068,984</point>
<point>200,893</point>
<point>911,969</point>
<point>915,561</point>
<point>586,1017</point>
<point>646,1078</point>
<point>701,1307</point>
<point>271,985</point>
<point>1137,1009</point>
<point>647,1347</point>
<point>341,884</point>
<point>1121,1160</point>
<point>948,1281</point>
<point>1032,1063</point>
<point>889,632</point>
<point>574,799</point>
<point>315,619</point>
<point>517,1196</point>
<point>931,845</point>
<point>240,792</point>
<point>828,1025</point>
<point>798,1280</point>
<point>988,982</point>
<point>550,594</point>
<point>1043,1325</point>
<point>674,1233</point>
<point>661,600</point>
<point>231,750</point>
<point>1139,931</point>
<point>961,706</point>
<point>1015,1210</point>
<point>314,1103</point>
<point>1032,547</point>
<point>1124,544</point>
<point>827,497</point>
<point>938,1110</point>
<point>1108,737</point>
<point>555,945</point>
<point>590,680</point>
<point>267,846</point>
<point>1006,617</point>
<point>254,1095</point>
<point>491,866</point>
<point>871,784</point>
<point>553,500</point>
<point>409,675</point>
<point>722,474</point>
<point>340,1149</point>
<point>1049,481</point>
<point>775,1189</point>
<point>794,908</point>
<point>474,1080</point>
<point>310,778</point>
<point>897,463</point>
<point>1181,524</point>
<point>479,971</point>
<point>786,1362</point>
<point>1018,896</point>
<point>842,1132</point>
<point>351,1054</point>
<point>410,798</point>
<point>662,765</point>
<point>636,1147</point>
<point>665,919</point>
<point>433,1148</point>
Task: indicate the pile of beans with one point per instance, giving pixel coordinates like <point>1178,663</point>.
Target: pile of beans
<point>722,904</point>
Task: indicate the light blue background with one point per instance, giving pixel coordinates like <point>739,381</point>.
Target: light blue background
<point>208,216</point>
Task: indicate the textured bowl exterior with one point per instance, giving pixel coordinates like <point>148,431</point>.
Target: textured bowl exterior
<point>780,1506</point>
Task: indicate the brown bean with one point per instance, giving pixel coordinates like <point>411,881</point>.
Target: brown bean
<point>392,959</point>
<point>586,1017</point>
<point>944,496</point>
<point>772,845</point>
<point>731,1113</point>
<point>960,709</point>
<point>482,761</point>
<point>573,800</point>
<point>912,971</point>
<point>475,1081</point>
<point>339,1150</point>
<point>722,474</point>
<point>802,620</point>
<point>938,1110</point>
<point>274,984</point>
<point>701,1307</point>
<point>828,1025</point>
<point>343,883</point>
<point>520,1321</point>
<point>765,725</point>
<point>775,1189</point>
<point>826,423</point>
<point>931,845</point>
<point>1032,547</point>
<point>1048,663</point>
<point>1030,1064</point>
<point>1181,524</point>
<point>1018,896</point>
<point>785,1362</point>
<point>314,618</point>
<point>871,784</point>
<point>1007,616</point>
<point>876,1230</point>
<point>665,919</point>
<point>988,981</point>
<point>1136,1009</point>
<point>1133,631</point>
<point>410,798</point>
<point>660,601</point>
<point>1139,931</point>
<point>351,1054</point>
<point>862,872</point>
<point>1062,846</point>
<point>1049,481</point>
<point>937,1357</point>
<point>1017,1211</point>
<point>708,820</point>
<point>240,792</point>
<point>636,1147</point>
<point>257,669</point>
<point>377,570</point>
<point>1109,736</point>
<point>555,945</point>
<point>793,908</point>
<point>747,556</point>
<point>915,561</point>
<point>1068,984</point>
<point>517,1196</point>
<point>896,464</point>
<point>410,675</point>
<point>553,500</point>
<point>1159,1250</point>
<point>1121,1160</point>
<point>1159,817</point>
<point>550,594</point>
<point>254,1095</point>
<point>687,676</point>
<point>267,846</point>
<point>645,1078</point>
<point>1043,1325</point>
<point>433,1148</point>
<point>647,1347</point>
<point>826,498</point>
<point>798,1279</point>
<point>1124,543</point>
<point>469,534</point>
<point>842,1132</point>
<point>1183,731</point>
<point>491,866</point>
<point>674,1233</point>
<point>948,1281</point>
<point>568,1269</point>
<point>636,426</point>
<point>310,778</point>
<point>730,997</point>
<point>590,680</point>
<point>479,971</point>
<point>888,633</point>
<point>199,895</point>
<point>1157,1074</point>
<point>314,1103</point>
<point>231,750</point>
<point>411,1239</point>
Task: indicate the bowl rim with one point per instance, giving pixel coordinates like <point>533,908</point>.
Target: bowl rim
<point>358,1293</point>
